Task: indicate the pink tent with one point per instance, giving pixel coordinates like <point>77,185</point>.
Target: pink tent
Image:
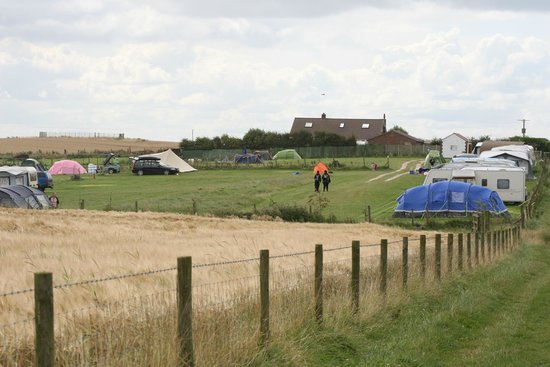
<point>66,167</point>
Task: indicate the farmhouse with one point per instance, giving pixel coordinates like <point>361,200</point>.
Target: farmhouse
<point>396,137</point>
<point>362,129</point>
<point>454,144</point>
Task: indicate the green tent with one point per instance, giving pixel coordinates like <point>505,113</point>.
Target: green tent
<point>287,154</point>
<point>433,158</point>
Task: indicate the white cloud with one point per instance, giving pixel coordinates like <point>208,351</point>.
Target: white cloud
<point>135,67</point>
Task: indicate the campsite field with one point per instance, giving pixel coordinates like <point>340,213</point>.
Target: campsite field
<point>243,191</point>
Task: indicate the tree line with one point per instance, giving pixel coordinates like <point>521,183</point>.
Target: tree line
<point>260,139</point>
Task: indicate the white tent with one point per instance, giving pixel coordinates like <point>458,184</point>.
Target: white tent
<point>170,158</point>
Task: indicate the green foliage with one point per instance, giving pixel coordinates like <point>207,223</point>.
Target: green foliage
<point>436,141</point>
<point>260,139</point>
<point>541,144</point>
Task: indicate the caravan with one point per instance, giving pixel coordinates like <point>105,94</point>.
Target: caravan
<point>14,175</point>
<point>508,182</point>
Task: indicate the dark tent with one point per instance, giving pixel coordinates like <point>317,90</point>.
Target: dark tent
<point>10,199</point>
<point>448,198</point>
<point>247,158</point>
<point>19,196</point>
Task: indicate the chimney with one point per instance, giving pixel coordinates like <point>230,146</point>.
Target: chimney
<point>323,115</point>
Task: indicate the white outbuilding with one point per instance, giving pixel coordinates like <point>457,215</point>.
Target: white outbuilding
<point>454,144</point>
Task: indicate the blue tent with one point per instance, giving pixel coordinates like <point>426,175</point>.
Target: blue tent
<point>247,158</point>
<point>448,198</point>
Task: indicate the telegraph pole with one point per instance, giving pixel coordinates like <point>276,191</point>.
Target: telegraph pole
<point>523,129</point>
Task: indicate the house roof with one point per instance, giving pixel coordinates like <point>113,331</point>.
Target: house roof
<point>362,129</point>
<point>458,135</point>
<point>404,136</point>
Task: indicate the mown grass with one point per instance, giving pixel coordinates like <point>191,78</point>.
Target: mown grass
<point>240,192</point>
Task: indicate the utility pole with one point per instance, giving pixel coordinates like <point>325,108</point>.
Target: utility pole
<point>523,129</point>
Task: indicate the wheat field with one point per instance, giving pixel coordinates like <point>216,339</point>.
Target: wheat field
<point>77,245</point>
<point>60,145</point>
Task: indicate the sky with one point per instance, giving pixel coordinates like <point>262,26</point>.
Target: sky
<point>173,70</point>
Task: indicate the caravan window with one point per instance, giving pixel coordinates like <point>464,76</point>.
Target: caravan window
<point>483,182</point>
<point>438,180</point>
<point>503,184</point>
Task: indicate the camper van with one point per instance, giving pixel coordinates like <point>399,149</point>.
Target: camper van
<point>14,175</point>
<point>508,182</point>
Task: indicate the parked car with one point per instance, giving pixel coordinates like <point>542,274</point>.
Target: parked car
<point>152,166</point>
<point>110,164</point>
<point>45,179</point>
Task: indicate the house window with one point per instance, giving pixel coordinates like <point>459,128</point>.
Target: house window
<point>365,126</point>
<point>483,182</point>
<point>308,124</point>
<point>341,124</point>
<point>503,184</point>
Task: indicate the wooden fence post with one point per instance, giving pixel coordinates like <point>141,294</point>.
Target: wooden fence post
<point>476,249</point>
<point>461,252</point>
<point>355,267</point>
<point>369,214</point>
<point>185,312</point>
<point>319,283</point>
<point>264,298</point>
<point>469,250</point>
<point>482,246</point>
<point>383,266</point>
<point>82,204</point>
<point>450,251</point>
<point>405,262</point>
<point>136,208</point>
<point>423,257</point>
<point>489,254</point>
<point>495,244</point>
<point>44,320</point>
<point>438,256</point>
<point>500,247</point>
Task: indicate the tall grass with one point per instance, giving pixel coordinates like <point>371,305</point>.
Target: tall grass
<point>141,330</point>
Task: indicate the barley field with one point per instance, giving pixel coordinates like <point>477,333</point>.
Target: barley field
<point>78,245</point>
<point>71,145</point>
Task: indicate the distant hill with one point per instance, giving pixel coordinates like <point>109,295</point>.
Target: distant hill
<point>68,145</point>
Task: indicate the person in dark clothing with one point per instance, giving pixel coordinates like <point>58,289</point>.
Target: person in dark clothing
<point>326,180</point>
<point>317,180</point>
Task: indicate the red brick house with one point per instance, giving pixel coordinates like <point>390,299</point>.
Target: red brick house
<point>396,137</point>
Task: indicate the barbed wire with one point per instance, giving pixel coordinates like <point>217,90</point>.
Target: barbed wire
<point>213,264</point>
<point>114,277</point>
<point>227,262</point>
<point>14,293</point>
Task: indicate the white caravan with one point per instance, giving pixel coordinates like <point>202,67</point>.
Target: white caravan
<point>508,182</point>
<point>15,175</point>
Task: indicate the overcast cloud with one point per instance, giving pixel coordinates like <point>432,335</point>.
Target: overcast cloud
<point>176,69</point>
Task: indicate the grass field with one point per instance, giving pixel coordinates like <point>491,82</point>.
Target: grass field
<point>242,191</point>
<point>78,245</point>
